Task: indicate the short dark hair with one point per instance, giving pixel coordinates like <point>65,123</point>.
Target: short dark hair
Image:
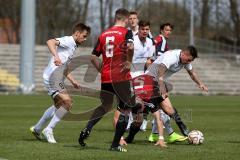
<point>121,14</point>
<point>133,12</point>
<point>81,27</point>
<point>143,23</point>
<point>193,51</point>
<point>166,24</point>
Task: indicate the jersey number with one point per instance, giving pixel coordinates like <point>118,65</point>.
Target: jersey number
<point>109,46</point>
<point>139,82</point>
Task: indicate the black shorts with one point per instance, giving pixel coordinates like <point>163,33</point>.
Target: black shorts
<point>122,90</point>
<point>150,107</point>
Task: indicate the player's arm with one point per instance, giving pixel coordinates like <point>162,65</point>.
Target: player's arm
<point>150,55</point>
<point>148,63</point>
<point>162,70</point>
<point>69,76</point>
<point>52,46</point>
<point>96,63</point>
<point>196,79</point>
<point>73,81</point>
<point>159,122</point>
<point>94,57</point>
<point>129,50</point>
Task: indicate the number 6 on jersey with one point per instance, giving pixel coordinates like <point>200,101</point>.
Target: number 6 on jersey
<point>109,46</point>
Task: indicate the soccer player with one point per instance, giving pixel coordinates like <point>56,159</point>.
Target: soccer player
<point>133,22</point>
<point>62,50</point>
<point>161,40</point>
<point>115,45</point>
<point>134,26</point>
<point>161,70</point>
<point>143,50</point>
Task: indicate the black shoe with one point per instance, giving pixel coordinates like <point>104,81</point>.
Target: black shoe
<point>184,130</point>
<point>83,135</point>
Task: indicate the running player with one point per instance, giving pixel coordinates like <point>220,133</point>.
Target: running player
<point>115,45</point>
<point>62,50</point>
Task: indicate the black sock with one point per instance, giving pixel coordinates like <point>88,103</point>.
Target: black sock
<point>120,129</point>
<point>179,122</point>
<point>96,116</point>
<point>134,129</point>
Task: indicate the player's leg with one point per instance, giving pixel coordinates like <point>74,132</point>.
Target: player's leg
<point>63,102</point>
<point>126,102</point>
<point>48,114</point>
<point>115,119</point>
<point>36,129</point>
<point>173,136</point>
<point>106,97</point>
<point>136,124</point>
<point>144,124</point>
<point>172,112</point>
<point>129,121</point>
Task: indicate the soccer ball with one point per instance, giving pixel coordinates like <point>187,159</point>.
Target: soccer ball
<point>195,137</point>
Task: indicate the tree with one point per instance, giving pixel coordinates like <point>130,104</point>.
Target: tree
<point>10,19</point>
<point>204,18</point>
<point>235,15</point>
<point>57,17</point>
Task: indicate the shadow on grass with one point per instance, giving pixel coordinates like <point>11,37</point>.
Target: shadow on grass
<point>76,146</point>
<point>234,142</point>
<point>33,140</point>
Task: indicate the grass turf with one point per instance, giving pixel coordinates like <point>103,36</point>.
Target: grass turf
<point>216,116</point>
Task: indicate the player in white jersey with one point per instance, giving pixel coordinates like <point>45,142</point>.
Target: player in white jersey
<point>133,22</point>
<point>161,70</point>
<point>62,50</point>
<point>133,26</point>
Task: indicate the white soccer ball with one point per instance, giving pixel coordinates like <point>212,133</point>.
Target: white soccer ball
<point>195,137</point>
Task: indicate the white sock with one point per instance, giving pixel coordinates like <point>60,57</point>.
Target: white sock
<point>45,117</point>
<point>144,124</point>
<point>168,127</point>
<point>154,126</point>
<point>59,114</point>
<point>166,122</point>
<point>130,120</point>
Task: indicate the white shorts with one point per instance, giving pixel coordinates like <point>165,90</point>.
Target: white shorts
<point>54,87</point>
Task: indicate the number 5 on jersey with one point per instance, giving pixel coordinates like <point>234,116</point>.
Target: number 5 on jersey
<point>109,46</point>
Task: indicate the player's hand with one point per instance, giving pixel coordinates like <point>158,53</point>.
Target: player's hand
<point>123,142</point>
<point>203,87</point>
<point>75,84</point>
<point>161,143</point>
<point>57,61</point>
<point>126,66</point>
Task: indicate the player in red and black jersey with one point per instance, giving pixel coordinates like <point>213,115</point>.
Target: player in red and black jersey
<point>116,48</point>
<point>161,40</point>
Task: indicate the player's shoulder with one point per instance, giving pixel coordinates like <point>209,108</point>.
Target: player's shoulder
<point>149,41</point>
<point>158,39</point>
<point>172,54</point>
<point>114,30</point>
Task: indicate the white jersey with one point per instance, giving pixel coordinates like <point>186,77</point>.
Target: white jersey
<point>142,51</point>
<point>171,59</point>
<point>65,51</point>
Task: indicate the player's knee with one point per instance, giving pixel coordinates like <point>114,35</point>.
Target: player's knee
<point>67,103</point>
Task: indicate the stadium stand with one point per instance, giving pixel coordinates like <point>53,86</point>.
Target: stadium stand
<point>222,75</point>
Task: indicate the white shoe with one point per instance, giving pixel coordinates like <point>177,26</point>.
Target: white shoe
<point>48,134</point>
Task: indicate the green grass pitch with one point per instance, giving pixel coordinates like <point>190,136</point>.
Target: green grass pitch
<point>217,117</point>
